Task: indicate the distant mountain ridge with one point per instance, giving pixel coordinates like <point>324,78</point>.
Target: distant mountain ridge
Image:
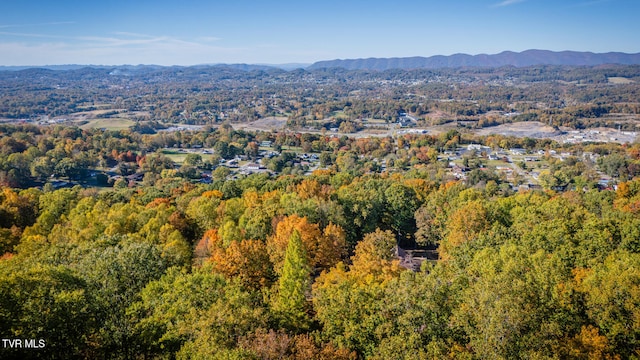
<point>506,58</point>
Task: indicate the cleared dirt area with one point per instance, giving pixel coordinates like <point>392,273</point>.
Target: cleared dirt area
<point>539,130</point>
<point>532,129</point>
<point>599,135</point>
<point>87,115</point>
<point>437,117</point>
<point>620,80</point>
<point>265,124</point>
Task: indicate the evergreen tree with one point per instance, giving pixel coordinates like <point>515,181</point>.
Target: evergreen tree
<point>291,304</point>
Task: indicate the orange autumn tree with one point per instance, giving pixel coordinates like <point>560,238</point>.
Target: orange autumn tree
<point>209,242</point>
<point>628,197</point>
<point>246,260</point>
<point>278,242</point>
<point>324,249</point>
<point>588,344</point>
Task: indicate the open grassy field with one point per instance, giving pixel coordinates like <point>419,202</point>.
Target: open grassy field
<point>179,156</point>
<point>376,121</point>
<point>339,115</point>
<point>619,80</point>
<point>176,157</point>
<point>93,113</point>
<point>292,148</point>
<point>108,124</point>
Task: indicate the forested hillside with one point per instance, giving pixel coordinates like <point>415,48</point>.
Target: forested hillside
<point>505,58</point>
<point>307,267</point>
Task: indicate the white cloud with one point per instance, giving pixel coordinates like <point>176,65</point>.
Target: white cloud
<point>102,41</point>
<point>117,50</point>
<point>40,24</point>
<point>31,35</point>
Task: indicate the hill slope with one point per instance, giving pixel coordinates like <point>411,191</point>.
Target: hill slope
<point>525,58</point>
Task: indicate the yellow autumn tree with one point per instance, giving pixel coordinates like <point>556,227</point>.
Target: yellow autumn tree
<point>332,247</point>
<point>308,189</point>
<point>588,344</point>
<point>463,226</point>
<point>375,256</point>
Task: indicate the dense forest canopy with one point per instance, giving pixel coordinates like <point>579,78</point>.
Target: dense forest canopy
<point>301,266</point>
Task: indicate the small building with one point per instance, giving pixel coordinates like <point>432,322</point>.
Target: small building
<point>406,122</point>
<point>135,177</point>
<point>253,166</point>
<point>59,184</point>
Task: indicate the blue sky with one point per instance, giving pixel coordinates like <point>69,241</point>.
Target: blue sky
<point>188,32</point>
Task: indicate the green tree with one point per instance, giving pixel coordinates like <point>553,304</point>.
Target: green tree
<point>202,210</point>
<point>613,165</point>
<point>195,314</point>
<point>511,307</point>
<point>67,167</point>
<point>45,302</point>
<point>220,173</point>
<point>291,303</point>
<point>402,204</point>
<point>193,160</point>
<point>223,149</point>
<point>612,291</point>
<point>348,307</point>
<point>364,203</point>
<point>115,277</point>
<point>416,309</point>
<point>326,159</point>
<point>53,205</point>
<point>41,168</point>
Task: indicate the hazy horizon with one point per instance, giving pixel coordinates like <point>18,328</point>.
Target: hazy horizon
<point>286,66</point>
<point>194,32</point>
